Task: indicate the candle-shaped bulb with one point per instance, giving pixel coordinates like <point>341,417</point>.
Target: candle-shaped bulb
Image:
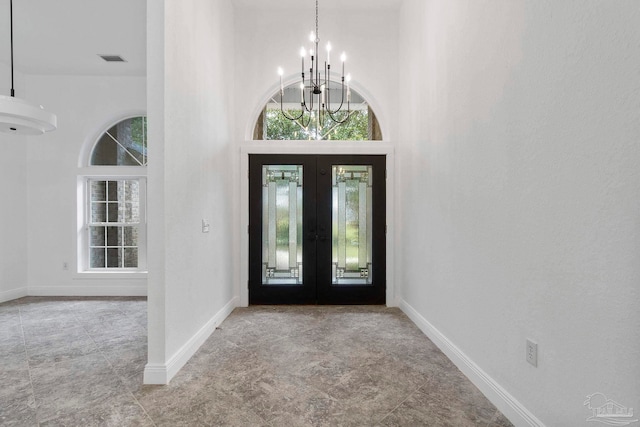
<point>280,71</point>
<point>343,57</point>
<point>312,37</point>
<point>328,53</point>
<point>348,78</point>
<point>303,52</point>
<point>310,52</point>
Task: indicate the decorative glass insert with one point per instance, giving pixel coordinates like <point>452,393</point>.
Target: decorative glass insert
<point>124,144</point>
<point>351,225</point>
<point>282,225</point>
<point>114,218</point>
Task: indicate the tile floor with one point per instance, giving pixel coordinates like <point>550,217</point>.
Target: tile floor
<point>79,362</point>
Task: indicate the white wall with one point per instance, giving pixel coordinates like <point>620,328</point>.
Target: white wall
<point>85,106</point>
<point>13,211</point>
<point>13,217</point>
<point>270,38</point>
<point>519,194</point>
<point>39,176</point>
<point>191,82</point>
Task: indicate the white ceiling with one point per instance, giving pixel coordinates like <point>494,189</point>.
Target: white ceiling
<point>66,36</point>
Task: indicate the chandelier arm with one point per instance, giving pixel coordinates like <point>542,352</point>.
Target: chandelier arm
<point>346,119</point>
<point>308,121</point>
<point>285,114</point>
<point>341,101</point>
<point>309,106</point>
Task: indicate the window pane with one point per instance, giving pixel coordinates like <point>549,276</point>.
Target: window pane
<point>124,144</point>
<point>96,236</point>
<point>114,259</point>
<point>98,191</point>
<point>112,191</point>
<point>96,258</point>
<point>130,236</point>
<point>130,257</point>
<point>98,212</point>
<point>114,236</point>
<point>112,212</point>
<point>128,191</point>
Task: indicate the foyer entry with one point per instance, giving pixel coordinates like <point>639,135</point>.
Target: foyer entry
<point>317,229</point>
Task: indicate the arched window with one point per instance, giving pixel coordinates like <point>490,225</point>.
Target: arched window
<point>113,235</point>
<point>272,125</point>
<point>123,144</point>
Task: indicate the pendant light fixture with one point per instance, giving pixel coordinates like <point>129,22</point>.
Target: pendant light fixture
<point>315,91</point>
<point>18,116</point>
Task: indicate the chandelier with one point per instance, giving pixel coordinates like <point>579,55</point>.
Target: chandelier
<point>315,89</point>
<point>18,116</point>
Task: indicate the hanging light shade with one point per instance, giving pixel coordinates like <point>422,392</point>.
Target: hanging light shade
<point>18,116</point>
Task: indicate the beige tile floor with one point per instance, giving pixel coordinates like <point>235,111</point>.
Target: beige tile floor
<point>79,362</point>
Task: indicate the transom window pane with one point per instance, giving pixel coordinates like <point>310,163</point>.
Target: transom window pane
<point>124,144</point>
<point>361,126</point>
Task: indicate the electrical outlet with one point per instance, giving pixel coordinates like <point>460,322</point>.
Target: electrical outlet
<point>205,226</point>
<point>532,352</point>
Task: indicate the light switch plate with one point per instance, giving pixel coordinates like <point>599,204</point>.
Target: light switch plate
<point>532,353</point>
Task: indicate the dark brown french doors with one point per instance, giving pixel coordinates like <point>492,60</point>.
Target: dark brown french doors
<point>316,229</point>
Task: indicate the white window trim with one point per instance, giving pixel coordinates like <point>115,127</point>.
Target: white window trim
<point>110,173</point>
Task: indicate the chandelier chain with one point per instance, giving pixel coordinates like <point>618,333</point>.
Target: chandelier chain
<point>11,29</point>
<point>315,90</point>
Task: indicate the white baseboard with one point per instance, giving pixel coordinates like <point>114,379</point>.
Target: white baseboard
<point>13,294</point>
<point>88,291</point>
<point>162,373</point>
<point>505,402</point>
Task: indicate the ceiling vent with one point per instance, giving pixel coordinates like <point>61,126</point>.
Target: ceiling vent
<point>112,58</point>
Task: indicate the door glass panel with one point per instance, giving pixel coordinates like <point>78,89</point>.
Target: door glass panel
<point>282,224</point>
<point>351,224</point>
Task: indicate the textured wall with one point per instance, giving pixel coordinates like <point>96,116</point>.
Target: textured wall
<point>519,191</point>
<point>190,115</point>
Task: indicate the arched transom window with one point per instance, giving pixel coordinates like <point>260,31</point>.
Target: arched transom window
<point>123,144</point>
<point>362,124</point>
